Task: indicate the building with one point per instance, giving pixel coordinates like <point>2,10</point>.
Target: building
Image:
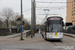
<point>71,12</point>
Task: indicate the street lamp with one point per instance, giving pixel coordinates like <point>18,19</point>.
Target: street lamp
<point>46,12</point>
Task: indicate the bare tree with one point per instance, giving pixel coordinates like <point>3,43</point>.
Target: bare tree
<point>8,15</point>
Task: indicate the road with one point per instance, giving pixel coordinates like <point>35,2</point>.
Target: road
<point>37,43</point>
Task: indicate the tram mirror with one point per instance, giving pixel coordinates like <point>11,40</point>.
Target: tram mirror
<point>62,23</point>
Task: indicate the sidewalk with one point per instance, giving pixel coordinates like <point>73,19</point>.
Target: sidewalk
<point>11,36</point>
<point>69,34</point>
<point>37,37</point>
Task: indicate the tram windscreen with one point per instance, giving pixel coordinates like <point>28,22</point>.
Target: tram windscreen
<point>54,26</point>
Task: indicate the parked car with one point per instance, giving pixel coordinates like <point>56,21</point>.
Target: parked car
<point>71,29</point>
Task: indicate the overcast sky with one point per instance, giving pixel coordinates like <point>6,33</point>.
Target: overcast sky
<point>15,5</point>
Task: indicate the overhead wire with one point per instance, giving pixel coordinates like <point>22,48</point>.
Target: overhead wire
<point>47,7</point>
<point>53,2</point>
<point>45,17</point>
<point>25,10</point>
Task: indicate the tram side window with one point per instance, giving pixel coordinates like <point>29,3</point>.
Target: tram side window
<point>47,29</point>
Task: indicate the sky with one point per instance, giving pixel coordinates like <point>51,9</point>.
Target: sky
<point>53,7</point>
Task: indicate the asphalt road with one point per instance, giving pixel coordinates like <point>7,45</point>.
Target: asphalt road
<point>37,43</point>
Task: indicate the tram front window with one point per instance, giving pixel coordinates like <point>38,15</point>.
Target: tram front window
<point>54,28</point>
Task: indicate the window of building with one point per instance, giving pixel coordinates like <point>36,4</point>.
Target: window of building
<point>72,14</point>
<point>74,10</point>
<point>74,0</point>
<point>73,21</point>
<point>72,17</point>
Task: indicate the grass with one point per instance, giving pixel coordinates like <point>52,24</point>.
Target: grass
<point>21,39</point>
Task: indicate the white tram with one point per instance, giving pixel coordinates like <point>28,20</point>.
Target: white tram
<point>52,29</point>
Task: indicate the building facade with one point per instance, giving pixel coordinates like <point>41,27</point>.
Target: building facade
<point>71,12</point>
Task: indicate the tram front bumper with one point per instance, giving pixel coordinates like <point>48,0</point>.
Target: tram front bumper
<point>54,38</point>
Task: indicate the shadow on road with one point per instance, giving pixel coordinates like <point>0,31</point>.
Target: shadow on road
<point>53,40</point>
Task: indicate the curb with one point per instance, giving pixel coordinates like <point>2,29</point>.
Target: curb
<point>70,35</point>
<point>16,35</point>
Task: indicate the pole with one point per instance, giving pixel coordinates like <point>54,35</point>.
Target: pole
<point>33,20</point>
<point>46,16</point>
<point>21,23</point>
<point>66,16</point>
<point>65,24</point>
<point>7,22</point>
<point>46,12</point>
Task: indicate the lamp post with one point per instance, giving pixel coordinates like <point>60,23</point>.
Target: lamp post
<point>46,11</point>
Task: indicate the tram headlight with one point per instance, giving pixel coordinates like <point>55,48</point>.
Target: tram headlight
<point>51,33</point>
<point>61,33</point>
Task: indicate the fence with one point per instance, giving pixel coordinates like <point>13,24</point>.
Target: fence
<point>28,33</point>
<point>4,32</point>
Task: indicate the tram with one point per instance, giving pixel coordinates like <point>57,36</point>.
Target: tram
<point>52,28</point>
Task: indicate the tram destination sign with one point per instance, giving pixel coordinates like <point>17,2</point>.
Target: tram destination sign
<point>54,19</point>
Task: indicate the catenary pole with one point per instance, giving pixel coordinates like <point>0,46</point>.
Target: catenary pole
<point>33,18</point>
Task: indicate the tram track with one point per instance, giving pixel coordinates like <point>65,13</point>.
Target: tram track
<point>56,45</point>
<point>60,43</point>
<point>69,40</point>
<point>53,42</point>
<point>63,42</point>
